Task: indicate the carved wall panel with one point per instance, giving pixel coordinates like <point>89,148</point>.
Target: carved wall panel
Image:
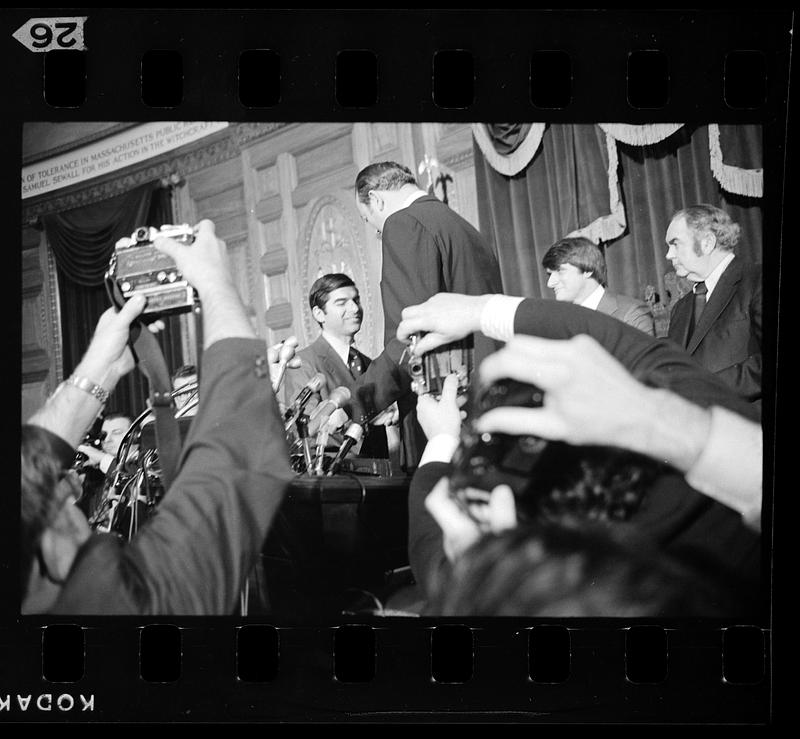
<point>40,335</point>
<point>384,140</point>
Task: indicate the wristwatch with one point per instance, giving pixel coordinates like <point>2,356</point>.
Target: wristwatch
<point>85,384</point>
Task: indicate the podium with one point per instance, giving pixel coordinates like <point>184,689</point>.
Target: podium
<point>332,540</point>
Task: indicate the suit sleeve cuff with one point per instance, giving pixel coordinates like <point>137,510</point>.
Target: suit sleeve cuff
<point>497,317</point>
<point>439,449</point>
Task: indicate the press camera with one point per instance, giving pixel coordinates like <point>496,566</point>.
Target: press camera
<point>429,371</point>
<point>483,461</point>
<point>141,269</point>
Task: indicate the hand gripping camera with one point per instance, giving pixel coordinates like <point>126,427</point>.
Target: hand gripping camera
<point>483,461</point>
<point>429,371</point>
<point>141,269</point>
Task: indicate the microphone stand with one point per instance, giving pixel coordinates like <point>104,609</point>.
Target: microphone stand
<point>302,431</point>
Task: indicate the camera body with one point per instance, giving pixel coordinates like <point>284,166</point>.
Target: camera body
<point>429,371</point>
<point>484,460</point>
<point>94,437</point>
<point>140,269</point>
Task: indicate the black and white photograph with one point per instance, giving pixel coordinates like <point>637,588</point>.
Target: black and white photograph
<point>462,397</point>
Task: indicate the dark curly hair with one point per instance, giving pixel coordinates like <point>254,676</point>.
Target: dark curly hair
<point>552,570</point>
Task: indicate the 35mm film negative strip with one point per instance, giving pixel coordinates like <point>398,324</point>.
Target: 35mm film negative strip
<point>261,121</point>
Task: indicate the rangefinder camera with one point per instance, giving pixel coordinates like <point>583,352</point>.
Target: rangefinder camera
<point>429,371</point>
<point>483,461</point>
<point>140,269</point>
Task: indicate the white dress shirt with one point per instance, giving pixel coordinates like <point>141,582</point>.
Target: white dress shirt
<point>712,280</point>
<point>593,300</point>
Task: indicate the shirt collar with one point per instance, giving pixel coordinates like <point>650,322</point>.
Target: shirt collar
<point>593,300</point>
<point>342,348</point>
<point>712,280</point>
<point>411,198</point>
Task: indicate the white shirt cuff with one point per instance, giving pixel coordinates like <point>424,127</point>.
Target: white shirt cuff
<point>439,449</point>
<point>497,317</point>
<point>105,462</point>
<point>730,467</point>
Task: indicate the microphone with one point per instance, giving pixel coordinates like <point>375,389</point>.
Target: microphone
<point>337,419</point>
<point>299,403</point>
<point>354,434</point>
<point>338,397</point>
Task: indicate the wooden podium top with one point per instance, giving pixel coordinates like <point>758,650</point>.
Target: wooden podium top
<point>347,488</point>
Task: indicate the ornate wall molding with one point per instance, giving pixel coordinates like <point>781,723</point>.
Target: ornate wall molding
<point>50,317</point>
<point>157,168</point>
<point>32,275</point>
<point>76,143</point>
<point>279,316</point>
<point>244,134</point>
<point>457,161</point>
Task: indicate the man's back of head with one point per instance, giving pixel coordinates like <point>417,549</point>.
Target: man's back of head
<point>382,176</point>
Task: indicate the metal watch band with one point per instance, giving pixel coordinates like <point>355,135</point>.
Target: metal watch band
<point>85,384</point>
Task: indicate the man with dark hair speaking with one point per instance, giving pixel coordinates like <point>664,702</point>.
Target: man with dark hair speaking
<point>427,249</point>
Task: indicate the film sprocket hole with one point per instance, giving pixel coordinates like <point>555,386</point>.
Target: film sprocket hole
<point>141,269</point>
<point>483,461</point>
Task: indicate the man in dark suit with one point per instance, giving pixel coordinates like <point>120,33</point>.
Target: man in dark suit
<point>577,273</point>
<point>427,248</point>
<point>719,322</point>
<point>336,306</point>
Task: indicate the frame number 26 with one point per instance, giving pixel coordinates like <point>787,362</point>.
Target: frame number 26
<point>50,34</point>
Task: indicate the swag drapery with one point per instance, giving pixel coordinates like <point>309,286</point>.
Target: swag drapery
<point>616,184</point>
<point>82,241</point>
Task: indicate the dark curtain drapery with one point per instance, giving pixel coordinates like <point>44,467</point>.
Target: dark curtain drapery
<point>565,187</point>
<point>82,241</point>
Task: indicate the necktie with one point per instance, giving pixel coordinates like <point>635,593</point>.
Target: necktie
<point>354,363</point>
<point>700,291</point>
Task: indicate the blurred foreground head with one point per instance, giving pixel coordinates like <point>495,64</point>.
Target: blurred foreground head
<point>555,571</point>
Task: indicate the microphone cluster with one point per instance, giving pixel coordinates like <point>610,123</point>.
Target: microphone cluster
<point>325,420</point>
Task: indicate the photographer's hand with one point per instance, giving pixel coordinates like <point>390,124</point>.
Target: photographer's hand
<point>459,530</point>
<point>445,317</point>
<point>70,411</point>
<point>204,264</point>
<point>280,356</point>
<point>590,398</point>
<point>441,416</point>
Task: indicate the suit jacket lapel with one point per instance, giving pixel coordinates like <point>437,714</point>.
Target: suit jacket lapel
<point>723,292</point>
<point>608,304</point>
<point>679,320</point>
<point>337,370</point>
